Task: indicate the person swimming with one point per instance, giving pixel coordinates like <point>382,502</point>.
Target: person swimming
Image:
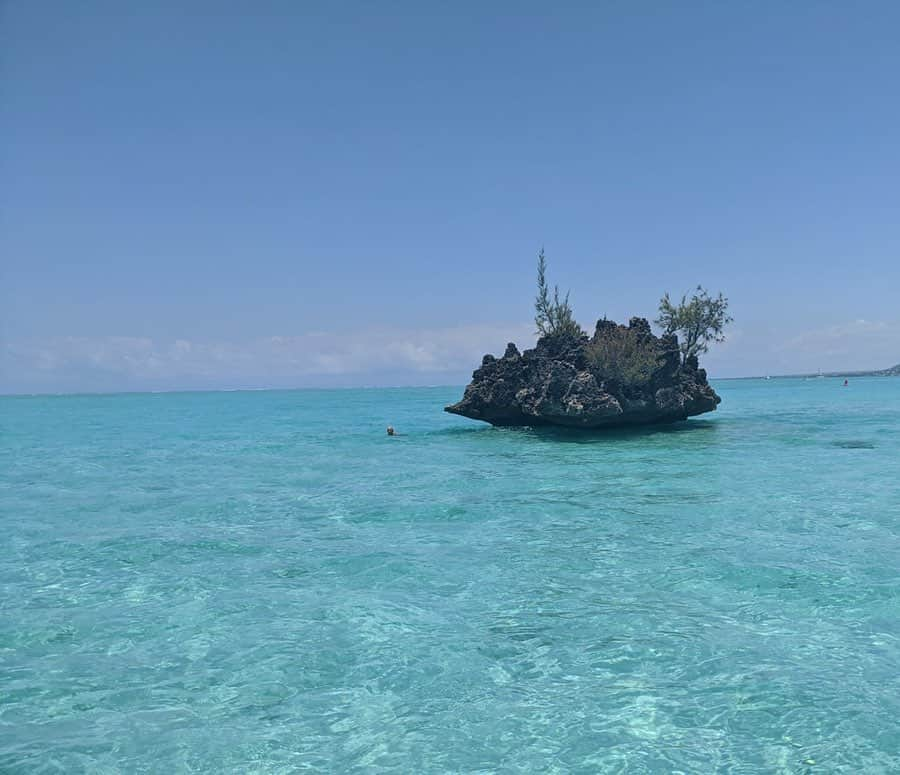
<point>390,430</point>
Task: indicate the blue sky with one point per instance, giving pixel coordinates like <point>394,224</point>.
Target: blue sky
<point>275,194</point>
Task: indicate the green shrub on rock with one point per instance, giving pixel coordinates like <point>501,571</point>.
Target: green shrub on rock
<point>624,355</point>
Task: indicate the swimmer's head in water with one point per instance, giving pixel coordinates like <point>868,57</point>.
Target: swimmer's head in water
<point>390,430</point>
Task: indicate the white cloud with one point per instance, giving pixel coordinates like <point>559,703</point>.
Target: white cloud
<point>115,362</point>
<point>859,344</point>
<point>389,356</point>
<point>838,338</point>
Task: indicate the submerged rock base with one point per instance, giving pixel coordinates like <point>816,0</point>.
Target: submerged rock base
<point>563,382</point>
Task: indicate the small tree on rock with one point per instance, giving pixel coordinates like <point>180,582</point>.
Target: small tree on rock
<point>698,321</point>
<point>552,315</point>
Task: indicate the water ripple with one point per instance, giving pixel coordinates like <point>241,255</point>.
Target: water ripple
<point>262,582</point>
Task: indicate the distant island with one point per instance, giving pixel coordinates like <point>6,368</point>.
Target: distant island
<point>619,376</point>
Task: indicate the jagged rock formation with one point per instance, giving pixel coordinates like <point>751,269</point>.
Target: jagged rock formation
<point>622,375</point>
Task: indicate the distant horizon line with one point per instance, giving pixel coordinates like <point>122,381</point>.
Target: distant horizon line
<point>74,394</point>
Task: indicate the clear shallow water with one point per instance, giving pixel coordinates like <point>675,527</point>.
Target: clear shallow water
<point>264,582</point>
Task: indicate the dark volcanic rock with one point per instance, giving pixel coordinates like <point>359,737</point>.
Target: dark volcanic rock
<point>559,383</point>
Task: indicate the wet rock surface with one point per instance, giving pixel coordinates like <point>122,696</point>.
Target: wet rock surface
<point>560,382</point>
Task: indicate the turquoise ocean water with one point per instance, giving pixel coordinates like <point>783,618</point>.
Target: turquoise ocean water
<point>264,582</point>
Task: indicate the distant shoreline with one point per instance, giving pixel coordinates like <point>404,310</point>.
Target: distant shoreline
<point>892,372</point>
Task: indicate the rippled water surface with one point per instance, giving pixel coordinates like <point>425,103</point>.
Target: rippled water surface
<point>265,582</point>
